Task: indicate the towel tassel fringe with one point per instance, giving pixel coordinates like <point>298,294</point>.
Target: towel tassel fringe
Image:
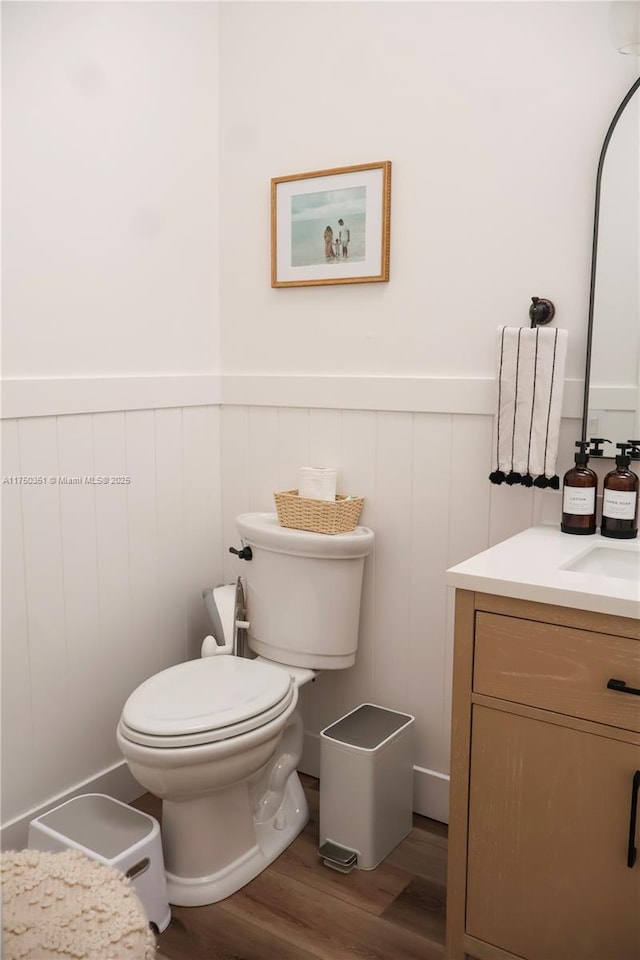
<point>525,480</point>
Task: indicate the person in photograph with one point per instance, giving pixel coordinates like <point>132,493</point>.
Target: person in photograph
<point>344,236</point>
<point>329,252</point>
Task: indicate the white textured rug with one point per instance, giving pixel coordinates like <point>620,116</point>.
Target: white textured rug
<point>63,905</point>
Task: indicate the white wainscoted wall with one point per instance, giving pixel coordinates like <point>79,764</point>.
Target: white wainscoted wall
<point>424,476</point>
<point>110,362</point>
<point>102,582</point>
<point>493,116</point>
<point>141,336</point>
<point>101,586</point>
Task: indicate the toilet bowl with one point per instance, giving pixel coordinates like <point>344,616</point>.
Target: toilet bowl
<point>219,739</point>
<point>225,775</point>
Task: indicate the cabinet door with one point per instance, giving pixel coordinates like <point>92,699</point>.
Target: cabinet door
<point>549,817</point>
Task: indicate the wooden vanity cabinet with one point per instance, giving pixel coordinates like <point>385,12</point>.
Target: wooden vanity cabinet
<point>545,766</point>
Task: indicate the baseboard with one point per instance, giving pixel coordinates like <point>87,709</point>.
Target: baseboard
<point>430,788</point>
<point>310,761</point>
<point>431,794</point>
<point>117,782</point>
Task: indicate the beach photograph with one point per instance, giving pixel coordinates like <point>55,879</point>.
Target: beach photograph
<point>331,226</point>
<point>328,226</point>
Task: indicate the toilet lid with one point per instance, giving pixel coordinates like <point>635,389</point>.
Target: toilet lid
<point>207,699</point>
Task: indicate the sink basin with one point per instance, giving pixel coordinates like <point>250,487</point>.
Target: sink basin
<point>608,562</point>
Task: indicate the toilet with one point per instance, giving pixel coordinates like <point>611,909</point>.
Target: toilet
<point>219,739</point>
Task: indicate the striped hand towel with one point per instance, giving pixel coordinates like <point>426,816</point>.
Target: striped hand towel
<point>530,374</point>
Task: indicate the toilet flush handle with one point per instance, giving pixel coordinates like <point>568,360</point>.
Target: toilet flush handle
<point>245,553</point>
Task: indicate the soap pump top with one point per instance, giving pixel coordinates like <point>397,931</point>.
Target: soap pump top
<point>582,456</point>
<point>595,446</point>
<point>634,451</point>
<point>623,459</point>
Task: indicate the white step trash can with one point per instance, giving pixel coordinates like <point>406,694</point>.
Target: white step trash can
<point>111,832</point>
<point>366,786</point>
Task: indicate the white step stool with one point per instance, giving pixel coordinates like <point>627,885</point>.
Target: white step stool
<point>111,832</point>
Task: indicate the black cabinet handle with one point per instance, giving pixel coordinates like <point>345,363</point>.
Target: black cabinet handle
<point>632,852</point>
<point>621,687</point>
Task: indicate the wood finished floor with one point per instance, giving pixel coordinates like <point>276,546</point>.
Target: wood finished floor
<point>298,909</point>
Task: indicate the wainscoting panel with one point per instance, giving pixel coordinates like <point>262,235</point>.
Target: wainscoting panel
<point>428,499</point>
<point>393,528</point>
<point>123,656</point>
<point>200,558</point>
<point>101,581</point>
<point>18,767</point>
<point>46,624</point>
<point>86,597</point>
<point>170,488</point>
<point>430,513</point>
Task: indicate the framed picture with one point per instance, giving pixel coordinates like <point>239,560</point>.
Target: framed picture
<point>331,226</point>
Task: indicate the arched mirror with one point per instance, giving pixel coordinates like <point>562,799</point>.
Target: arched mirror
<point>612,376</point>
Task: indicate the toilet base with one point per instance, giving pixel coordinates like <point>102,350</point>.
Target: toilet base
<point>272,837</point>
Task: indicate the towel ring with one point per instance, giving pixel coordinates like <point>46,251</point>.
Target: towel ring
<point>541,311</point>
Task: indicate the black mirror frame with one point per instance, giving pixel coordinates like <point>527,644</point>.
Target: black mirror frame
<point>594,253</point>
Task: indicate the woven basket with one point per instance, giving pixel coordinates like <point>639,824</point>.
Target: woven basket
<point>318,516</point>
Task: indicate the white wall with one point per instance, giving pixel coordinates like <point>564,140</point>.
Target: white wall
<point>111,358</point>
<point>134,135</point>
<point>110,137</point>
<point>492,114</point>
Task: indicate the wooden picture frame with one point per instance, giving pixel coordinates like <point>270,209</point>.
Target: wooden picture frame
<point>331,226</point>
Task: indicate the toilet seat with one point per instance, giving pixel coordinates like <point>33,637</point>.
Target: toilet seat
<point>203,701</point>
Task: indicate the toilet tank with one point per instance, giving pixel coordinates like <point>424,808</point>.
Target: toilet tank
<point>303,592</point>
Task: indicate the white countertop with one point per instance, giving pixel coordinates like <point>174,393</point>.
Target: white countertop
<point>531,566</point>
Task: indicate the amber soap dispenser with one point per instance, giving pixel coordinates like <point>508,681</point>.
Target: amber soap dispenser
<point>620,497</point>
<point>579,490</point>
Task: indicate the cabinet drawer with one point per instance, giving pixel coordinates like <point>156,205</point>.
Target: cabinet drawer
<point>557,668</point>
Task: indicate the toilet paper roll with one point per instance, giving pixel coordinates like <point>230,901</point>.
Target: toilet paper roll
<point>318,483</point>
